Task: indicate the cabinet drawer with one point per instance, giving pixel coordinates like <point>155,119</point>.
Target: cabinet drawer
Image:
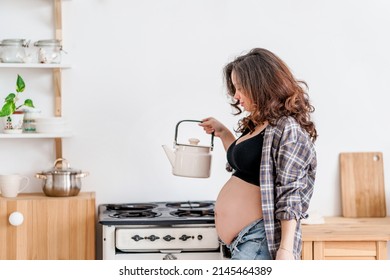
<point>350,250</point>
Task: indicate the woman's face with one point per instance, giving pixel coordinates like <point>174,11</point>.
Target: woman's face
<point>239,94</point>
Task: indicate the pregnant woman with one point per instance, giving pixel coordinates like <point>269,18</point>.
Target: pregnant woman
<point>258,210</point>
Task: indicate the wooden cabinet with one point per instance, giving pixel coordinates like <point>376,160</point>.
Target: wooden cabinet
<point>346,239</point>
<point>53,227</point>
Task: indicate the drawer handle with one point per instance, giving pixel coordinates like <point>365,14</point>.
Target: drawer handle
<point>16,219</point>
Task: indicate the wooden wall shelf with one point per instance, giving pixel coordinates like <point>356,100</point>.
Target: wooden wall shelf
<point>34,65</point>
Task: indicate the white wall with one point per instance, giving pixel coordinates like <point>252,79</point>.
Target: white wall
<point>138,67</point>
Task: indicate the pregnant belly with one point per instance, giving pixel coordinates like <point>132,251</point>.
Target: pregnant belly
<point>238,204</point>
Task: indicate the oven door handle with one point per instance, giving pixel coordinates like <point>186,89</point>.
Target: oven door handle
<point>170,256</point>
<point>170,251</point>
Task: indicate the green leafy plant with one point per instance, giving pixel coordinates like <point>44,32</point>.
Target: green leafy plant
<point>10,101</point>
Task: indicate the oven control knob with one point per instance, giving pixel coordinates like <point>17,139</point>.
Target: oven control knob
<point>168,238</point>
<point>184,237</point>
<point>137,237</point>
<point>153,237</point>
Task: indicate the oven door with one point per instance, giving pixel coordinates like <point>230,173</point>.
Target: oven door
<point>111,252</point>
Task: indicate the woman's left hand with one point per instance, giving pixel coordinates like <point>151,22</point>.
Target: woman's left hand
<point>283,254</point>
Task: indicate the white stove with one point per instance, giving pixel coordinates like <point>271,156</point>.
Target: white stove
<point>159,230</point>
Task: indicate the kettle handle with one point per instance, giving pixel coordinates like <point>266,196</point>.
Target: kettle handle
<point>177,130</point>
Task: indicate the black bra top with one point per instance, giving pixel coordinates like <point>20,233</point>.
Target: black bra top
<point>245,158</point>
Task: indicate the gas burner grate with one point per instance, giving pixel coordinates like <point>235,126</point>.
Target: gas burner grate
<point>189,205</point>
<point>193,213</point>
<point>131,207</point>
<point>134,214</point>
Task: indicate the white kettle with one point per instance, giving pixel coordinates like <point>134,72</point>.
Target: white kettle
<point>190,160</point>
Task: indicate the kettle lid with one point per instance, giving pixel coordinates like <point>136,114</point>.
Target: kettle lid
<point>194,141</point>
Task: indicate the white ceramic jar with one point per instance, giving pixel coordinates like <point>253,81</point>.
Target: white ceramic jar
<point>30,115</point>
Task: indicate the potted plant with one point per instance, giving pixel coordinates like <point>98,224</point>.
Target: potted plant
<point>10,113</point>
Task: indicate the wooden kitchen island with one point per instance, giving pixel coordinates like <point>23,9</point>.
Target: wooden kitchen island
<point>342,238</point>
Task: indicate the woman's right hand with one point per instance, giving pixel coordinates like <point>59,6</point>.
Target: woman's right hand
<point>211,125</point>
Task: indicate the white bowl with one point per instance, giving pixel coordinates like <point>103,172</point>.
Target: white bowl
<point>52,120</point>
<point>50,125</point>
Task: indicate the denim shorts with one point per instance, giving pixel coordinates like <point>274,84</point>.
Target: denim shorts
<point>250,243</point>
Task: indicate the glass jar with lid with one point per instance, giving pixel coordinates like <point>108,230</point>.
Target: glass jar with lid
<point>13,50</point>
<point>49,51</point>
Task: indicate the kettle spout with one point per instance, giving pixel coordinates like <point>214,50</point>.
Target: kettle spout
<point>170,154</point>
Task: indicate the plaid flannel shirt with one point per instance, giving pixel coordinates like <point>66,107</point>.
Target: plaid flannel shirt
<point>287,175</point>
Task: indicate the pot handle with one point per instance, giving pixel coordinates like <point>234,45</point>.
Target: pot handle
<point>40,176</point>
<point>82,175</point>
<point>62,165</point>
<point>177,130</point>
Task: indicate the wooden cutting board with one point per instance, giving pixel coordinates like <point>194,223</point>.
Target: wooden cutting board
<point>362,185</point>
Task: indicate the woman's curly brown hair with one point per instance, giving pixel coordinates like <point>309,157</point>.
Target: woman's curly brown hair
<point>274,91</point>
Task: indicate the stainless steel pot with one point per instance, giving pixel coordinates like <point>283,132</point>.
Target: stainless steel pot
<point>61,180</point>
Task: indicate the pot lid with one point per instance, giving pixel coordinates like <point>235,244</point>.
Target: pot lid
<point>62,167</point>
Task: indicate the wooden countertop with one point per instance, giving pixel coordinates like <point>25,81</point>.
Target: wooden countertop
<point>348,229</point>
<point>23,196</point>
